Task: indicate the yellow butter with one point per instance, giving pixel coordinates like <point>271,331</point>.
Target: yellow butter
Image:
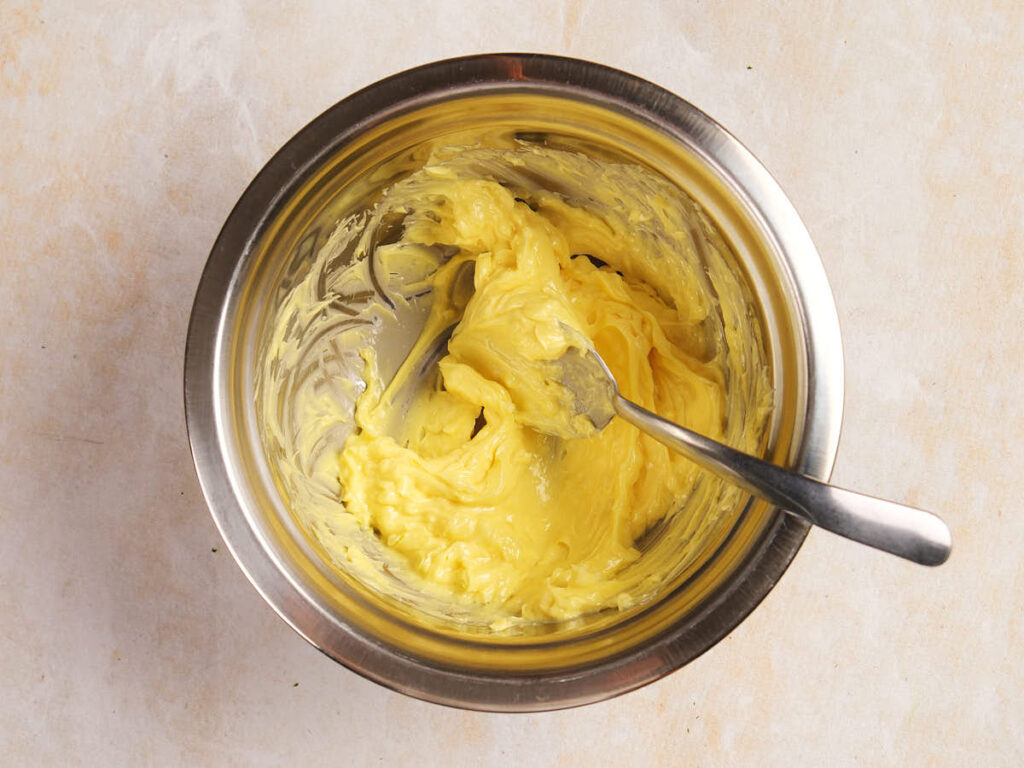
<point>490,491</point>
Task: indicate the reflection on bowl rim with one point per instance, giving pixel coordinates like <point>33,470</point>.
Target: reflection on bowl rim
<point>210,433</point>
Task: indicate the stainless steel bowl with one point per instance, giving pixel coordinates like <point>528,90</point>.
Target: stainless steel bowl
<point>335,165</point>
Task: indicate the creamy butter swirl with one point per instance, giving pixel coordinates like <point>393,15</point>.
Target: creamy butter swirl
<point>488,491</point>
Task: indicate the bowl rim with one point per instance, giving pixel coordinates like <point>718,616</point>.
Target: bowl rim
<point>208,328</point>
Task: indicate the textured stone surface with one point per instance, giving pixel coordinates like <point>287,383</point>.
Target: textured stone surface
<point>129,637</point>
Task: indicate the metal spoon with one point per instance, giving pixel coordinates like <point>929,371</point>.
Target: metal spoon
<point>419,367</point>
<point>910,533</point>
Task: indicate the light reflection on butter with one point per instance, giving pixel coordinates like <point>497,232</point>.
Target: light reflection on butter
<point>458,498</point>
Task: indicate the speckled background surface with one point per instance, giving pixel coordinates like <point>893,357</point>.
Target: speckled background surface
<point>127,634</point>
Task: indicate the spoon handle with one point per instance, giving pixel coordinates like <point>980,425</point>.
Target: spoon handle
<point>910,533</point>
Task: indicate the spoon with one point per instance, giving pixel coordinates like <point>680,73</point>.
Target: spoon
<point>910,533</point>
<point>419,366</point>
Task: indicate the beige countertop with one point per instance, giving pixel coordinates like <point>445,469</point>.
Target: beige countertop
<point>128,636</point>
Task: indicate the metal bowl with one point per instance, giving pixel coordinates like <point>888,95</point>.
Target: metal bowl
<point>335,165</point>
